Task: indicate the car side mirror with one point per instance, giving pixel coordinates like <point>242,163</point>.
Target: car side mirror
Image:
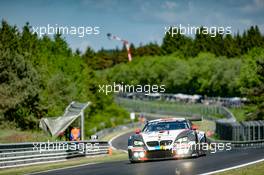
<point>194,127</point>
<point>137,131</point>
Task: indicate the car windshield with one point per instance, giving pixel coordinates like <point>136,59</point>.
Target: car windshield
<point>159,126</point>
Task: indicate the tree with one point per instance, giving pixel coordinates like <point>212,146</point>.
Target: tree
<point>230,47</point>
<point>9,38</point>
<point>151,49</point>
<point>60,46</point>
<point>177,42</point>
<point>28,41</point>
<point>18,87</point>
<point>39,77</point>
<point>133,50</point>
<point>256,93</point>
<point>103,60</point>
<point>202,41</point>
<point>77,52</point>
<point>88,57</point>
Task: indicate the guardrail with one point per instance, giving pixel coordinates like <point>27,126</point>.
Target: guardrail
<point>240,144</point>
<point>20,154</point>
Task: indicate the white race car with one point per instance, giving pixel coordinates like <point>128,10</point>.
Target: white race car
<point>165,139</point>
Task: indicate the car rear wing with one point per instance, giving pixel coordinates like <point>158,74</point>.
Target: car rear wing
<point>151,116</point>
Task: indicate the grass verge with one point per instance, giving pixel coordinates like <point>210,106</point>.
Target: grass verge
<point>242,113</point>
<point>205,125</point>
<point>13,135</point>
<point>170,108</point>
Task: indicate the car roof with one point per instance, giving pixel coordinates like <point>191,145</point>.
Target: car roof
<point>166,120</point>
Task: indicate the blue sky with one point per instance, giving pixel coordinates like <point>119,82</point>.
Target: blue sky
<point>138,21</point>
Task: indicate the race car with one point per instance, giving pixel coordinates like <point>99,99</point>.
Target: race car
<point>165,139</point>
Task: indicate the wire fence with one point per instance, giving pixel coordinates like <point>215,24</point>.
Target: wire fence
<point>227,128</point>
<point>211,112</point>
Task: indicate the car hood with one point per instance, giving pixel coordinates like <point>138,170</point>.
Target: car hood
<point>161,135</point>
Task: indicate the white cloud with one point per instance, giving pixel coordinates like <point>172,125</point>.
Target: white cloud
<point>255,5</point>
<point>261,28</point>
<point>168,5</point>
<point>259,3</point>
<point>81,45</point>
<point>167,17</point>
<point>245,21</point>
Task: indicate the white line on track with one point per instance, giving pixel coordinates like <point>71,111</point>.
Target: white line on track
<point>112,139</point>
<point>234,167</point>
<point>208,173</point>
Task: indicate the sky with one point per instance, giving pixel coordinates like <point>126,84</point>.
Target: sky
<point>138,21</point>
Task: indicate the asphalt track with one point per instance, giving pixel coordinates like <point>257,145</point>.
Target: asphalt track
<point>205,164</point>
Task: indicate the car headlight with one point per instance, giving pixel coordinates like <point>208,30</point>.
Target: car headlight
<point>138,143</point>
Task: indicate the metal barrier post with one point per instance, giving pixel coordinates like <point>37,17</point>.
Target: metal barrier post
<point>82,126</point>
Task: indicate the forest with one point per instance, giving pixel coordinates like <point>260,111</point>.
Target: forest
<point>40,76</point>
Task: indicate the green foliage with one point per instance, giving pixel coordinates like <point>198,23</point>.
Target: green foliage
<point>41,76</point>
<point>150,49</point>
<point>204,74</point>
<point>180,45</point>
<point>253,82</point>
<point>242,113</point>
<point>176,42</point>
<point>19,88</point>
<point>219,44</point>
<point>113,112</point>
